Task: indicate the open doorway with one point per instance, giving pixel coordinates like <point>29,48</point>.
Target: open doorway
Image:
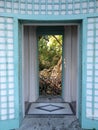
<point>50,65</point>
<point>69,63</point>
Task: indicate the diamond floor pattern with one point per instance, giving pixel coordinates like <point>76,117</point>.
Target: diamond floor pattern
<point>50,108</point>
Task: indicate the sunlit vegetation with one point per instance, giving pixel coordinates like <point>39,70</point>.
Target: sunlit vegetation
<point>50,64</point>
<point>50,50</point>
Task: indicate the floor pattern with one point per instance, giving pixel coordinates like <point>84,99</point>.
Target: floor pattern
<point>50,121</point>
<point>50,108</point>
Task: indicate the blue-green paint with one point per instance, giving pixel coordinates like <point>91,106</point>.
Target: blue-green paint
<point>84,26</point>
<point>79,70</point>
<point>86,122</point>
<point>14,123</point>
<point>50,30</point>
<point>93,75</point>
<point>16,54</point>
<point>49,19</point>
<point>20,40</point>
<point>37,54</point>
<point>63,65</point>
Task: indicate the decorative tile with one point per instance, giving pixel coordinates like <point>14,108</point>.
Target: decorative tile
<point>50,108</point>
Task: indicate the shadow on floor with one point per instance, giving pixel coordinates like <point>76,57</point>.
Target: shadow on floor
<point>50,122</point>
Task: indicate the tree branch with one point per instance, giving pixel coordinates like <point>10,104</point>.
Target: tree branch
<point>57,40</point>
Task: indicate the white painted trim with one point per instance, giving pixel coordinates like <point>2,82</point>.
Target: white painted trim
<point>67,66</point>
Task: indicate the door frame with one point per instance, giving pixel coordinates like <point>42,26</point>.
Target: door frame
<point>79,94</point>
<point>50,30</point>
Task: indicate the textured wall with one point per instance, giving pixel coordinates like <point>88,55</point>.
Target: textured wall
<point>49,7</point>
<point>8,79</point>
<point>92,69</point>
<point>7,87</point>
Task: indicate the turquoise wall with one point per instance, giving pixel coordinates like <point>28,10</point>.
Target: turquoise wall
<point>49,7</point>
<point>47,11</point>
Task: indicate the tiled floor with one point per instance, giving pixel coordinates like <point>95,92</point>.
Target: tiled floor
<point>50,121</point>
<point>50,108</point>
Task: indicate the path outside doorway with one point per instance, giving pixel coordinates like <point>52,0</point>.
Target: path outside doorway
<point>50,121</point>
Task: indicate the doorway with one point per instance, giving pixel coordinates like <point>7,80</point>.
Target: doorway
<point>50,65</point>
<point>70,63</point>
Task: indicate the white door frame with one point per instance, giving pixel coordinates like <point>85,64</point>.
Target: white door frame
<point>63,24</point>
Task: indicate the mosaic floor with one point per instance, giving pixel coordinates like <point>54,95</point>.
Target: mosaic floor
<point>50,121</point>
<point>50,108</point>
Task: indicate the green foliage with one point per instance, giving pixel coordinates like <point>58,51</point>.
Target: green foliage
<point>50,50</point>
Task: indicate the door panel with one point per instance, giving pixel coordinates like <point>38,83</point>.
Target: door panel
<point>30,67</point>
<point>70,64</point>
